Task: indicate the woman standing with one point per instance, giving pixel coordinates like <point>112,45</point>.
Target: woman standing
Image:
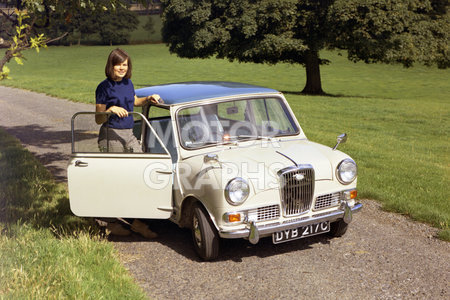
<point>116,95</point>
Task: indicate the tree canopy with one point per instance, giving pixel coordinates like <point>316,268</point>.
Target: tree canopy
<point>294,31</point>
<point>23,29</point>
<point>114,26</point>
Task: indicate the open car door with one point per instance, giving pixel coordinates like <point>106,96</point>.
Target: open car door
<point>125,185</point>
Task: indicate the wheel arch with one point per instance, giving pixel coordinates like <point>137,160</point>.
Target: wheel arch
<point>187,209</point>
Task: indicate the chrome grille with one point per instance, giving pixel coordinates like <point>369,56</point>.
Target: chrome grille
<point>328,200</point>
<point>297,189</point>
<point>264,213</point>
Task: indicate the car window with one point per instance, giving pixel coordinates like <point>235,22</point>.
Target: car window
<point>90,137</point>
<point>156,111</point>
<point>270,115</point>
<point>200,125</point>
<point>217,123</point>
<point>233,110</point>
<point>160,120</point>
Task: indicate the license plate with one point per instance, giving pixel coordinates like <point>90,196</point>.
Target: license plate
<point>300,232</point>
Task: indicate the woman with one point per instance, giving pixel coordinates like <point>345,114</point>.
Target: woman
<point>115,95</point>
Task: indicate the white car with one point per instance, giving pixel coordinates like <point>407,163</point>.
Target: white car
<point>228,160</point>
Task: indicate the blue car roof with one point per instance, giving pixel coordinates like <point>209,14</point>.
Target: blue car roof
<point>183,92</point>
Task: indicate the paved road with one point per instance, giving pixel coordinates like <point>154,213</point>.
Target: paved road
<point>382,256</point>
<point>42,124</point>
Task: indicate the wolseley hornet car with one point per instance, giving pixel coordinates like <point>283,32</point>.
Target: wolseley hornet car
<point>227,160</point>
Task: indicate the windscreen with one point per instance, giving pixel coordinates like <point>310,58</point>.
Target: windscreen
<point>224,122</point>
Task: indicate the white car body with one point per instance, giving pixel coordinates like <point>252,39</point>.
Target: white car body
<point>283,185</point>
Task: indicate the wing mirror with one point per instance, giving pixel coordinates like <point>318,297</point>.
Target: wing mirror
<point>342,138</point>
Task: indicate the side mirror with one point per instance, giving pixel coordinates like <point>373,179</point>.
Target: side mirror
<point>342,138</point>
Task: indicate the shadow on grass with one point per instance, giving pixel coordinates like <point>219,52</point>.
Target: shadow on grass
<point>29,193</point>
<point>53,146</point>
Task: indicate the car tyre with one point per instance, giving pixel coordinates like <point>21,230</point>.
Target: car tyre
<point>338,228</point>
<point>204,234</point>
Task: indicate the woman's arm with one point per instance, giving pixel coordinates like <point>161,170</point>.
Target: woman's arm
<point>144,100</point>
<point>102,118</point>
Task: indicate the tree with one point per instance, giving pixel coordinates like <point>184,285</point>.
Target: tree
<point>19,31</point>
<point>295,31</point>
<point>73,20</point>
<point>115,26</point>
<point>20,41</point>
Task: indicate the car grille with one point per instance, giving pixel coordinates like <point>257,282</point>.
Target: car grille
<point>297,189</point>
<point>328,200</point>
<point>264,213</point>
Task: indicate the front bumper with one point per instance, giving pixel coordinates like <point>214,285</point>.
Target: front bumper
<point>253,232</point>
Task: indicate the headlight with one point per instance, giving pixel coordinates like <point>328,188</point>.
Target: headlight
<point>236,191</point>
<point>346,171</point>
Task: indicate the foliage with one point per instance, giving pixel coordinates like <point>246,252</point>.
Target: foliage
<point>17,35</point>
<point>294,31</point>
<point>115,27</point>
<point>21,40</point>
<point>393,31</point>
<point>4,73</point>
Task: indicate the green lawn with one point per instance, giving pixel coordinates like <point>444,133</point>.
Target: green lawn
<point>397,119</point>
<point>45,251</point>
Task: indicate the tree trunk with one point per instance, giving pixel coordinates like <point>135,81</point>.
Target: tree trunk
<point>2,63</point>
<point>5,59</point>
<point>313,82</point>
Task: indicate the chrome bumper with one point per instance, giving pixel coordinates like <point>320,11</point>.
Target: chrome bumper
<point>253,232</point>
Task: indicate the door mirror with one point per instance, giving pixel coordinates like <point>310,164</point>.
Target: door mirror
<point>342,138</point>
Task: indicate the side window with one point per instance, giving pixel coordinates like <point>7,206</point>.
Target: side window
<point>192,128</point>
<point>161,122</point>
<point>85,133</point>
<point>155,112</point>
<point>90,137</point>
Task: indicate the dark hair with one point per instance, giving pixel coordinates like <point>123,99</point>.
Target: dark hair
<point>116,57</point>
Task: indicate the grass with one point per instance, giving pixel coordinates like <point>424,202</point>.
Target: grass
<point>397,119</point>
<point>45,251</point>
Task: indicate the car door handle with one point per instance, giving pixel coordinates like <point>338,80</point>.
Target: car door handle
<point>164,172</point>
<point>80,163</point>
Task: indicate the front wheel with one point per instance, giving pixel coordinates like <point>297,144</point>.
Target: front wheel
<point>204,234</point>
<point>338,228</point>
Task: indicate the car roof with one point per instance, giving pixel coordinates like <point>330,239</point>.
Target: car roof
<point>183,92</point>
